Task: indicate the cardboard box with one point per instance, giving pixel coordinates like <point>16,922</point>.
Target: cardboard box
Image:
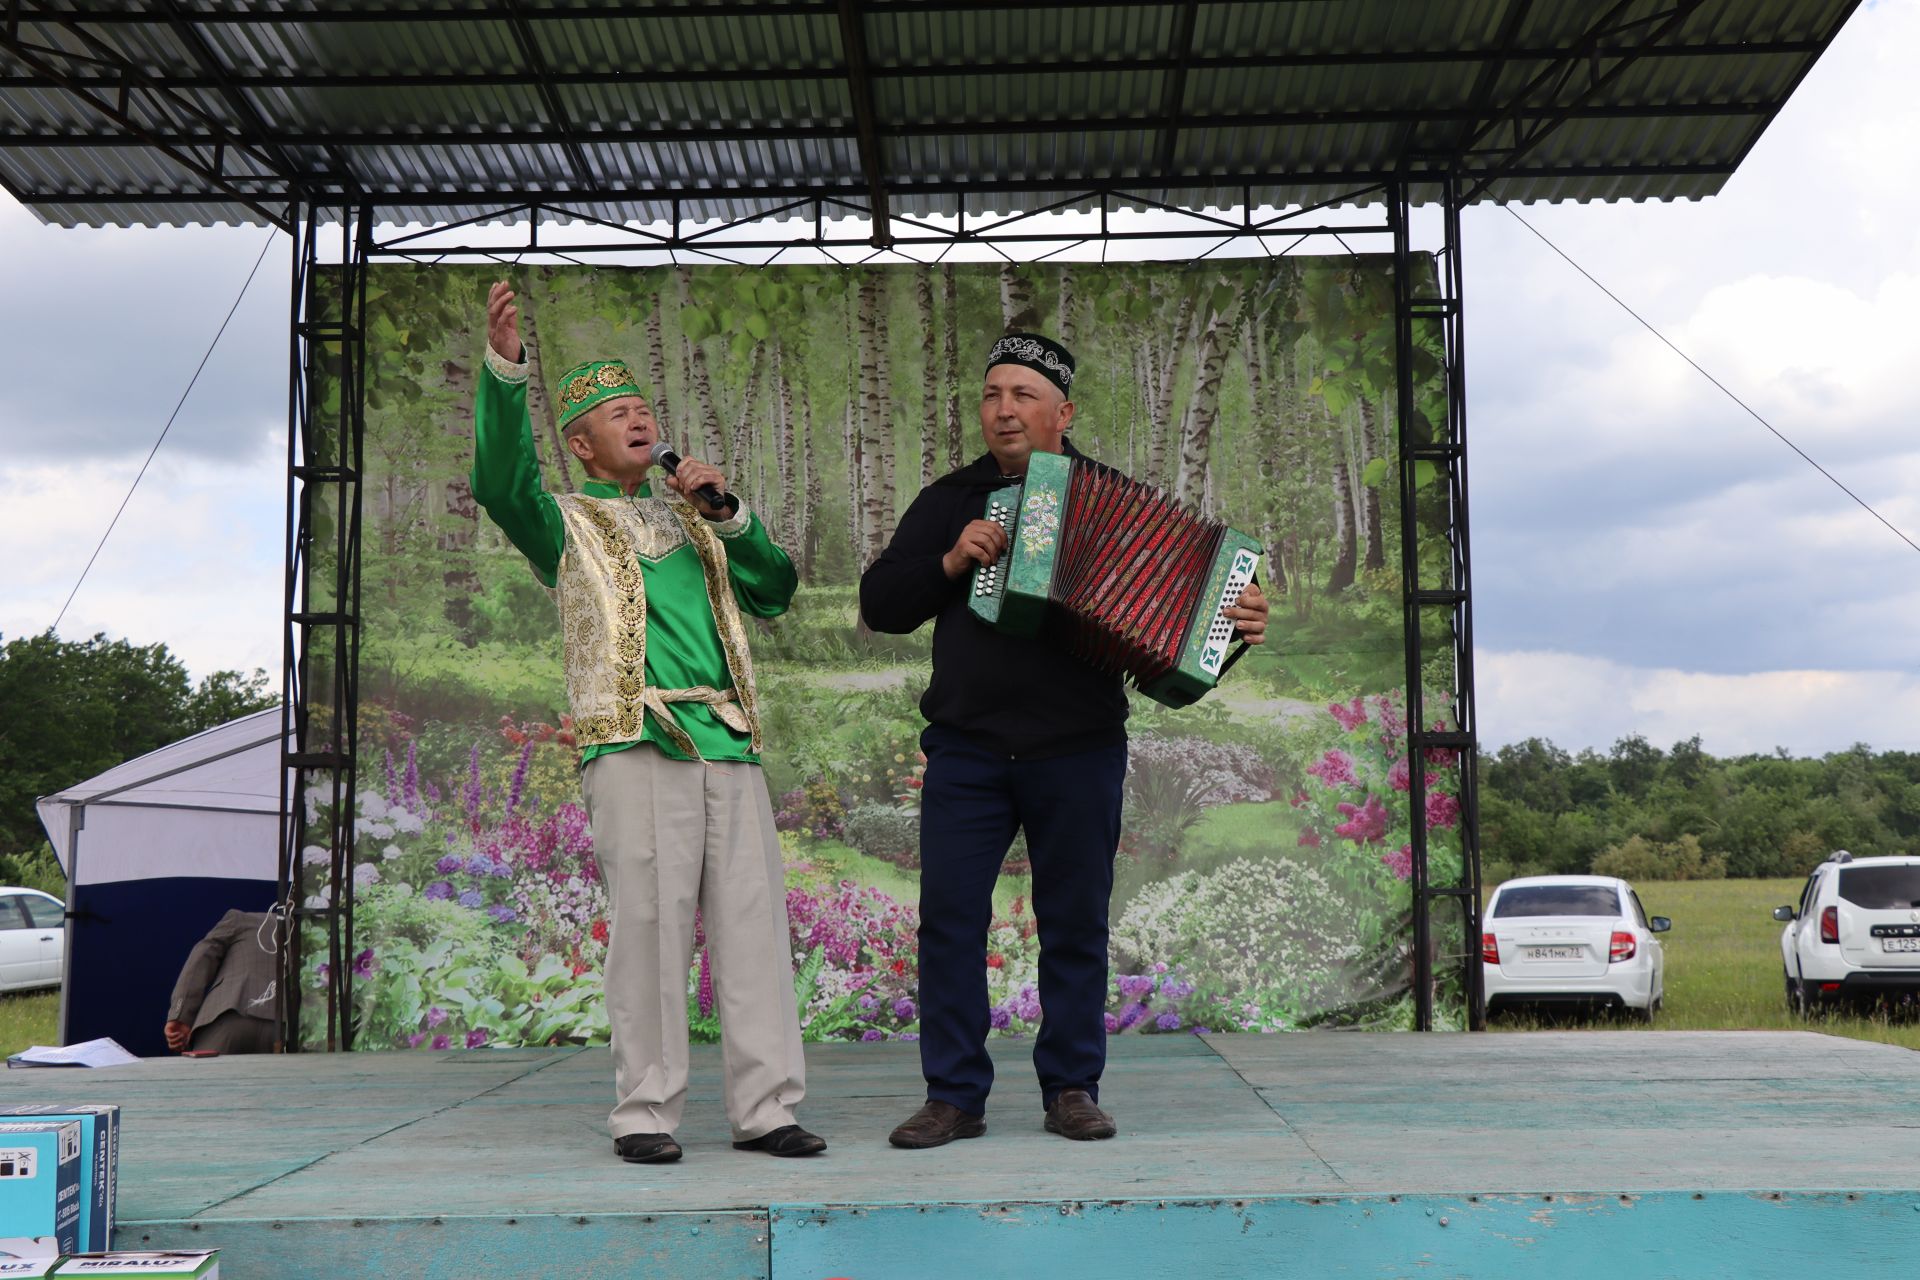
<point>120,1265</point>
<point>40,1162</point>
<point>100,1140</point>
<point>18,1268</point>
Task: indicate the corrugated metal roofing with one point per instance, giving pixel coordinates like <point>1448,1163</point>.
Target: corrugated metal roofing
<point>194,111</point>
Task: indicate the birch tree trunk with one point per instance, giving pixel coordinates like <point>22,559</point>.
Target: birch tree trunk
<point>1196,427</point>
<point>740,445</point>
<point>810,507</point>
<point>1165,375</point>
<point>460,573</point>
<point>1376,547</point>
<point>874,422</point>
<point>540,411</point>
<point>700,384</point>
<point>788,453</point>
<point>853,434</point>
<point>950,303</point>
<point>1066,322</point>
<point>1016,300</point>
<point>657,368</point>
<point>929,382</point>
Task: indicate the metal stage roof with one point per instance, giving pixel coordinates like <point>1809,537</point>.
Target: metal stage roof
<point>199,111</point>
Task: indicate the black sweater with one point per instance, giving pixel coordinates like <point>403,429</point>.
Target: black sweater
<point>1022,697</point>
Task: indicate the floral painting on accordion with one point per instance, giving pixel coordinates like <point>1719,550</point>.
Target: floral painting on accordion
<point>1263,874</point>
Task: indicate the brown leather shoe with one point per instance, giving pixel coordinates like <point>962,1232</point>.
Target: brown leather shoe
<point>1075,1115</point>
<point>935,1125</point>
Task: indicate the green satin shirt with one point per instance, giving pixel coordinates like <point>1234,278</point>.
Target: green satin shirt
<point>683,642</point>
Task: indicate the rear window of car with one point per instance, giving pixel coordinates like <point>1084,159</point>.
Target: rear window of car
<point>1881,888</point>
<point>1558,900</point>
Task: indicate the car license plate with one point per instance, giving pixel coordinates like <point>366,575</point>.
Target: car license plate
<point>1554,953</point>
<point>1900,944</point>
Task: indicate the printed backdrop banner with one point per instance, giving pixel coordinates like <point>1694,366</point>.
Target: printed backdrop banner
<point>1262,879</point>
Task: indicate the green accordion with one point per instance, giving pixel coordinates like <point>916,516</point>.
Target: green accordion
<point>1117,572</point>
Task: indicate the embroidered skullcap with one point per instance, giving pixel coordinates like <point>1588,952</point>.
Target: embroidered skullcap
<point>1043,355</point>
<point>595,382</point>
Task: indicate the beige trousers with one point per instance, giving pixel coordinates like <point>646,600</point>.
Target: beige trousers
<point>671,835</point>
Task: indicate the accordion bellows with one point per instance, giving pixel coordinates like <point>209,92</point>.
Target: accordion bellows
<point>1118,573</point>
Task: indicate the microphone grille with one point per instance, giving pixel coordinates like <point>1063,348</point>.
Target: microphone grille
<point>660,450</point>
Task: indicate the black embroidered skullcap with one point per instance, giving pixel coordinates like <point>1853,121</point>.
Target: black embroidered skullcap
<point>1043,355</point>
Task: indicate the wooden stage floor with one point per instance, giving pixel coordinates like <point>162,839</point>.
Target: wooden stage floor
<point>1550,1155</point>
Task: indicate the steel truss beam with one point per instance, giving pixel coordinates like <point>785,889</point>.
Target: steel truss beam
<point>322,610</point>
<point>1437,450</point>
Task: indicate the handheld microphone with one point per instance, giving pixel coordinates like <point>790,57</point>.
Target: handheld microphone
<point>662,453</point>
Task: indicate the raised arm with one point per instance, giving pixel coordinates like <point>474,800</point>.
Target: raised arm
<point>506,473</point>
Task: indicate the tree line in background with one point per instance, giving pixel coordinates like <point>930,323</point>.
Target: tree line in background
<point>70,709</point>
<point>1642,813</point>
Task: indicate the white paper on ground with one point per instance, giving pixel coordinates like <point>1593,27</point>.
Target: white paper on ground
<point>104,1052</point>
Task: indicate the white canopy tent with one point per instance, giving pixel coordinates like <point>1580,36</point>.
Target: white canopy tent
<point>155,851</point>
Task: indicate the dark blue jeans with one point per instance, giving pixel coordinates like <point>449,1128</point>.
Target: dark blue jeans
<point>972,802</point>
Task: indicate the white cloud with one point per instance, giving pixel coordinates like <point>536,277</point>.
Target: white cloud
<point>1578,701</point>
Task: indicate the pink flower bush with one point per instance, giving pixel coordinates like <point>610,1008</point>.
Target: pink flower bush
<point>1335,770</point>
<point>1366,823</point>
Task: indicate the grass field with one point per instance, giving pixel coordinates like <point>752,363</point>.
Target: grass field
<point>29,1019</point>
<point>1723,965</point>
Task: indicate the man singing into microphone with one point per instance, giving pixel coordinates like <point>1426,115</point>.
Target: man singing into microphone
<point>651,591</point>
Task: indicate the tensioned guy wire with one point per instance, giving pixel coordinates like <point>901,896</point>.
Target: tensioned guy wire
<point>1751,412</point>
<point>168,427</point>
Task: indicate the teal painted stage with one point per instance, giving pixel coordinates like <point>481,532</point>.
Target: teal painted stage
<point>1549,1156</point>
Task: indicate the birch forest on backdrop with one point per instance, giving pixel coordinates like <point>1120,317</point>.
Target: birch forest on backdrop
<point>1262,875</point>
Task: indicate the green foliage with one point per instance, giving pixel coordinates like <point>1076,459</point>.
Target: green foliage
<point>70,709</point>
<point>34,869</point>
<point>885,832</point>
<point>1642,859</point>
<point>1543,810</point>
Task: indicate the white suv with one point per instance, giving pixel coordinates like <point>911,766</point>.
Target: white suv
<point>1855,934</point>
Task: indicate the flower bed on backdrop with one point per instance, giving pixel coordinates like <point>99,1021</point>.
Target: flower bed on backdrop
<point>1256,890</point>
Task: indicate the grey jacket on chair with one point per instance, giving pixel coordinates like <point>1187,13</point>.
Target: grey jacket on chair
<point>230,968</point>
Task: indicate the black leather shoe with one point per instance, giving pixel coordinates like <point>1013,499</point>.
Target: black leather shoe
<point>1075,1115</point>
<point>787,1140</point>
<point>935,1125</point>
<point>647,1148</point>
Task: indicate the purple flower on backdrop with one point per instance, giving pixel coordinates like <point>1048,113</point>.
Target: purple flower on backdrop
<point>1029,1010</point>
<point>1131,1014</point>
<point>412,793</point>
<point>519,783</point>
<point>475,1039</point>
<point>1201,1031</point>
<point>417,1039</point>
<point>1000,1018</point>
<point>448,864</point>
<point>1400,862</point>
<point>1335,769</point>
<point>470,899</point>
<point>1400,776</point>
<point>1135,986</point>
<point>442,1042</point>
<point>1351,715</point>
<point>471,795</point>
<point>1366,823</point>
<point>363,964</point>
<point>867,1002</point>
<point>1443,810</point>
<point>393,782</point>
<point>502,915</point>
<point>1168,1022</point>
<point>435,1016</point>
<point>438,891</point>
<point>706,983</point>
<point>908,1035</point>
<point>1175,989</point>
<point>904,1010</point>
<point>872,1034</point>
<point>1113,1023</point>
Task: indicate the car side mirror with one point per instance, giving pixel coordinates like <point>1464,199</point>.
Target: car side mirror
<point>1659,924</point>
<point>1784,914</point>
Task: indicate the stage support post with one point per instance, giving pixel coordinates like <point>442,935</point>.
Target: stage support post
<point>326,419</point>
<point>1438,618</point>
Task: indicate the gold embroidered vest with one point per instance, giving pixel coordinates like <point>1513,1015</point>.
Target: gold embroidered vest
<point>603,618</point>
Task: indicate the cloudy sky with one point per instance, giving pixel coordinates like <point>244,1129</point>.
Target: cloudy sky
<point>1648,558</point>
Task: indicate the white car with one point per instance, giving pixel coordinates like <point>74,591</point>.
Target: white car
<point>1572,940</point>
<point>1855,934</point>
<point>33,939</point>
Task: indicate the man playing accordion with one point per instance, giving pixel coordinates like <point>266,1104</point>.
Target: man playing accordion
<point>1021,735</point>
